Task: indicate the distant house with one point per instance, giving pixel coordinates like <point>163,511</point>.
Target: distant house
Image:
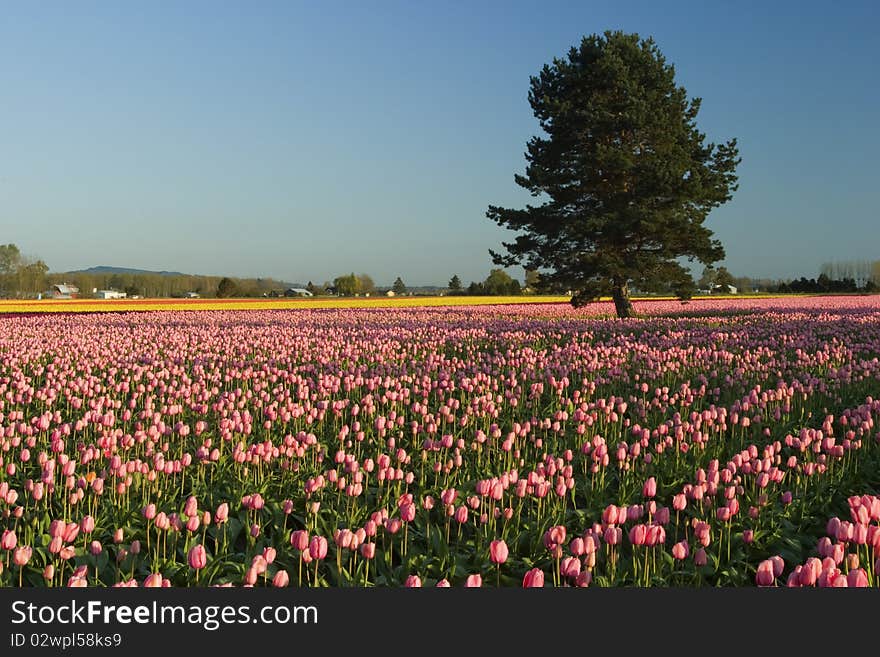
<point>191,295</point>
<point>63,291</point>
<point>389,293</point>
<point>297,292</point>
<point>110,294</point>
<point>731,289</point>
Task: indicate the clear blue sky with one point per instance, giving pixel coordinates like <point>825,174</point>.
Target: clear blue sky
<point>305,140</point>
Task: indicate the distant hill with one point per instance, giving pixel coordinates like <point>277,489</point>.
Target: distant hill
<point>104,269</point>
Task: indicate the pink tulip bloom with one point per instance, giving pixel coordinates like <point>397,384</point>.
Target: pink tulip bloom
<point>153,581</point>
<point>221,515</point>
<point>498,551</point>
<point>681,550</point>
<point>570,567</point>
<point>299,540</point>
<point>318,548</point>
<point>22,555</point>
<point>281,579</point>
<point>474,581</point>
<point>613,535</point>
<point>534,578</point>
<point>258,563</point>
<point>638,534</point>
<point>584,579</point>
<point>8,540</point>
<point>87,525</point>
<point>71,531</point>
<point>765,574</point>
<point>857,578</point>
<point>198,557</point>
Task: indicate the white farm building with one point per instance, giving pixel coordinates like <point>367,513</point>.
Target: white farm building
<point>110,294</point>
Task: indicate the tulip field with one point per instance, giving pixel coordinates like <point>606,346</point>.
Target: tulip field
<point>720,443</point>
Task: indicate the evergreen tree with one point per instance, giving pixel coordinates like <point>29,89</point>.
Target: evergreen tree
<point>626,176</point>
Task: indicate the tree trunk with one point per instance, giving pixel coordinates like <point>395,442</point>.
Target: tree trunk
<point>622,304</point>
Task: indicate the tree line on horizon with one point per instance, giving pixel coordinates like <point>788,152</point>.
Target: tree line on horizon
<point>27,277</point>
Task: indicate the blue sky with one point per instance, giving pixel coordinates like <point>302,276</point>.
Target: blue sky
<point>306,140</point>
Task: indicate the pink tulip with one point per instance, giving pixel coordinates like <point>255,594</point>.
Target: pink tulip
<point>198,557</point>
<point>22,555</point>
<point>498,551</point>
<point>681,550</point>
<point>281,579</point>
<point>153,581</point>
<point>474,581</point>
<point>765,573</point>
<point>638,534</point>
<point>318,548</point>
<point>584,579</point>
<point>534,578</point>
<point>857,578</point>
<point>570,567</point>
<point>299,540</point>
<point>259,564</point>
<point>8,540</point>
<point>221,515</point>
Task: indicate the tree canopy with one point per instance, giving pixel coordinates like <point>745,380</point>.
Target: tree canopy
<point>227,288</point>
<point>626,178</point>
<point>498,283</point>
<point>347,286</point>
